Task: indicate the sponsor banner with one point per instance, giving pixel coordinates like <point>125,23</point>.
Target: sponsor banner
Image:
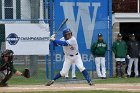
<point>27,39</point>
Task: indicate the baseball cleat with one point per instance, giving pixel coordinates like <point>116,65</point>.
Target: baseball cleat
<point>50,83</point>
<point>74,78</point>
<point>90,83</point>
<point>103,77</point>
<point>66,77</point>
<point>128,76</point>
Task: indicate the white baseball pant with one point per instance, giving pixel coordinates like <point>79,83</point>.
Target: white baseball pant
<point>68,62</point>
<point>131,60</point>
<point>73,71</point>
<point>100,66</point>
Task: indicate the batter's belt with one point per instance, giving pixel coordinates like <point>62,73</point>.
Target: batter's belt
<point>71,54</point>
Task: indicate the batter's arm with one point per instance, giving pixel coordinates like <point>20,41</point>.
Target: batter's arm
<point>60,42</point>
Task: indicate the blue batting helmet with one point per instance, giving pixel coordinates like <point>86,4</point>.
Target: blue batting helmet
<point>65,31</point>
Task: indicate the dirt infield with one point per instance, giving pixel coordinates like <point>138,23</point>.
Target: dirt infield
<point>71,87</point>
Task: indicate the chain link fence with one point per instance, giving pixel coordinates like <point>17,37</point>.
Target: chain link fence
<point>25,12</point>
<point>28,12</point>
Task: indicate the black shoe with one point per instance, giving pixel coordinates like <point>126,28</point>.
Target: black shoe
<point>50,83</point>
<point>128,76</point>
<point>3,85</point>
<point>66,77</point>
<point>74,78</point>
<point>136,76</point>
<point>99,77</point>
<point>103,77</point>
<point>90,83</point>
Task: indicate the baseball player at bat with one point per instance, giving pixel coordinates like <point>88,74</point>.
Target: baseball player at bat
<point>71,55</point>
<point>7,68</point>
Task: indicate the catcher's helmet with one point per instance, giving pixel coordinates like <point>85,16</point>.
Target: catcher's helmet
<point>65,31</point>
<point>8,53</point>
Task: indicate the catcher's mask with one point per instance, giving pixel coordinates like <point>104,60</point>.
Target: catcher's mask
<point>8,53</point>
<point>66,32</point>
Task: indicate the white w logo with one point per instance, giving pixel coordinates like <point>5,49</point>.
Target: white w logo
<point>83,13</point>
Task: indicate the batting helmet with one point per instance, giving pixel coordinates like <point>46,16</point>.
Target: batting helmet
<point>65,31</point>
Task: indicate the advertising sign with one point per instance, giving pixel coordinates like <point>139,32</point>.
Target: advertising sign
<point>27,39</point>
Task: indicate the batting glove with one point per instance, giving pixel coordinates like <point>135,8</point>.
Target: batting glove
<point>53,37</point>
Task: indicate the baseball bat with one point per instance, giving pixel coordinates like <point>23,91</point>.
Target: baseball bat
<point>62,24</point>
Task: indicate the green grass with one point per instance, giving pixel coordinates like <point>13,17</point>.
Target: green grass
<point>119,80</point>
<point>23,81</point>
<point>95,91</point>
<point>41,78</point>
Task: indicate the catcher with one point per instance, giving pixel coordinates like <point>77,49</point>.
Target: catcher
<point>7,69</point>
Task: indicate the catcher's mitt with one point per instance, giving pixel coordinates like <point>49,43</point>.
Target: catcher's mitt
<point>26,73</point>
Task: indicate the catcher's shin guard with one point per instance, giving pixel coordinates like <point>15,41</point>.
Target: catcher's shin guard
<point>3,85</point>
<point>7,77</point>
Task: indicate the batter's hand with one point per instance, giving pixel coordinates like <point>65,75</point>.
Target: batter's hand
<point>53,37</point>
<point>128,57</point>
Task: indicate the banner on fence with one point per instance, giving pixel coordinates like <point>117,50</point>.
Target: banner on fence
<point>86,18</point>
<point>27,39</point>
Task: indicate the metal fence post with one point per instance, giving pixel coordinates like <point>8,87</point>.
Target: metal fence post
<point>110,37</point>
<point>34,15</point>
<point>51,43</point>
